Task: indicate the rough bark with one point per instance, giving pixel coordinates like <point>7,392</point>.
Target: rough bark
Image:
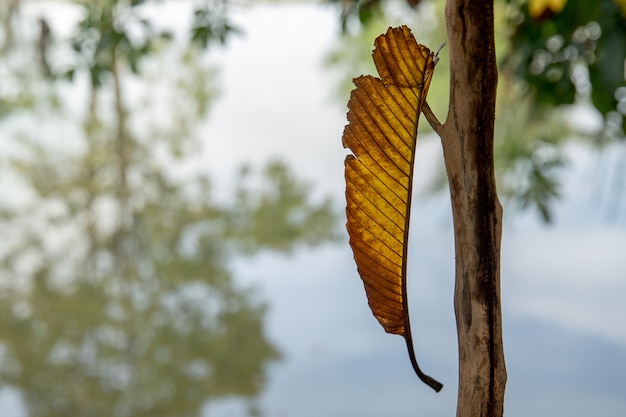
<point>467,137</point>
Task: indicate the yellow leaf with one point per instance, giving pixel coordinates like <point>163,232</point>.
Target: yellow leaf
<point>540,8</point>
<point>382,133</point>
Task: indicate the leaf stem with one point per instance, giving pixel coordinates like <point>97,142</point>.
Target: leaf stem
<point>428,380</point>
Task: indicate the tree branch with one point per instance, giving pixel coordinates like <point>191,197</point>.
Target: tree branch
<point>432,119</point>
<point>467,138</point>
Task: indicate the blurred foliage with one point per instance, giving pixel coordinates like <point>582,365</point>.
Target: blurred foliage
<point>275,214</point>
<point>554,54</point>
<point>363,21</point>
<point>117,296</point>
<point>574,52</point>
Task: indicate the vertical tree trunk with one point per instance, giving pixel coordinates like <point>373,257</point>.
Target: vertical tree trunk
<point>467,138</point>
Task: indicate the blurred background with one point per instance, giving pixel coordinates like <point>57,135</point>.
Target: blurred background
<point>171,211</point>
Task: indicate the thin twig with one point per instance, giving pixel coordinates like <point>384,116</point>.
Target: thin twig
<point>432,119</point>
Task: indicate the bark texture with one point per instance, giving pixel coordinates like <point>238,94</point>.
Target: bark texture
<point>467,136</point>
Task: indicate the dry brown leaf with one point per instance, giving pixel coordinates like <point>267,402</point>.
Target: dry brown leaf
<point>381,133</point>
